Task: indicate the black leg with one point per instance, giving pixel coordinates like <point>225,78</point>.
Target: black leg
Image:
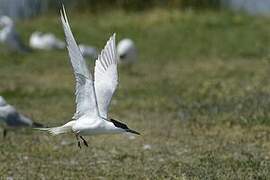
<point>4,133</point>
<point>78,140</point>
<point>84,141</point>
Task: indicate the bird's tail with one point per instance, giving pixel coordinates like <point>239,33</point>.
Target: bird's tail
<point>59,130</point>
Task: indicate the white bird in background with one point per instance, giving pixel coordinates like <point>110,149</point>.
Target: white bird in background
<point>45,41</point>
<point>93,96</point>
<point>127,51</point>
<point>9,36</point>
<point>88,51</point>
<point>12,118</point>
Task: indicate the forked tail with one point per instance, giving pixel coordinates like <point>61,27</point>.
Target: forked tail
<point>66,128</point>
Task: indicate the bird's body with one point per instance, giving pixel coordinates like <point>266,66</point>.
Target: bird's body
<point>95,126</point>
<point>93,95</point>
<point>87,125</point>
<point>45,41</point>
<point>10,37</point>
<point>127,51</point>
<point>12,118</point>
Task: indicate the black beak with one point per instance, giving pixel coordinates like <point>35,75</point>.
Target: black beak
<point>123,126</point>
<point>132,131</point>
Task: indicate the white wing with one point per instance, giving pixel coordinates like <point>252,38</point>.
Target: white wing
<point>85,91</point>
<point>106,78</point>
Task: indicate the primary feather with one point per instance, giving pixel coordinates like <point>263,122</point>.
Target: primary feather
<point>85,91</point>
<point>106,77</point>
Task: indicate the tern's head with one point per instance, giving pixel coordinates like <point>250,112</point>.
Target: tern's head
<point>123,126</point>
<point>6,21</point>
<point>2,101</point>
<point>127,51</point>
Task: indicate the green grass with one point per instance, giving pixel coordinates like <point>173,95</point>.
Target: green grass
<point>200,96</point>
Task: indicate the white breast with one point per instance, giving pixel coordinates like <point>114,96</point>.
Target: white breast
<point>93,126</point>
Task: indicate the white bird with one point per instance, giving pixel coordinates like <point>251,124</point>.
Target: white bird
<point>93,96</point>
<point>127,51</point>
<point>9,36</point>
<point>12,118</point>
<point>88,51</point>
<point>45,41</point>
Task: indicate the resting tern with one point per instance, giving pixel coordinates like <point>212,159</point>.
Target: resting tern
<point>9,36</point>
<point>12,118</point>
<point>127,51</point>
<point>45,41</point>
<point>93,96</point>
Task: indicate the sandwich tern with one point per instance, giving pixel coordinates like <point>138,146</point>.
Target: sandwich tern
<point>45,41</point>
<point>93,96</point>
<point>12,118</point>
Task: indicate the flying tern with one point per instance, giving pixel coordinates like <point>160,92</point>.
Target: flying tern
<point>93,95</point>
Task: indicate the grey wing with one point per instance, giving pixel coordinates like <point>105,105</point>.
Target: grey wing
<point>85,92</point>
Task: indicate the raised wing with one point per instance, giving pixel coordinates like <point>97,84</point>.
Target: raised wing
<point>106,78</point>
<point>85,91</point>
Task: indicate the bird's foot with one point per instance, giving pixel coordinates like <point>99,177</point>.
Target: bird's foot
<point>79,144</point>
<point>84,141</point>
<point>78,141</point>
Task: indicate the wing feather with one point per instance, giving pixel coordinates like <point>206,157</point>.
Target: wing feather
<point>85,92</point>
<point>106,77</point>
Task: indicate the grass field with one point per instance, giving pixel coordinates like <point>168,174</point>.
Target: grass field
<point>200,96</point>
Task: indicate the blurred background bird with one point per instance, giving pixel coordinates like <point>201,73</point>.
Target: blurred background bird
<point>45,41</point>
<point>12,118</point>
<point>10,37</point>
<point>127,51</point>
